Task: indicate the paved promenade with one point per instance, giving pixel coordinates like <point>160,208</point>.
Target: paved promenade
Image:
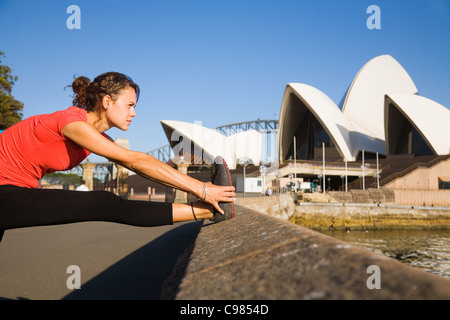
<point>116,261</point>
<point>253,256</point>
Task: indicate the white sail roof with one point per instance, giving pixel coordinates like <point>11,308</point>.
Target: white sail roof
<point>364,102</point>
<point>209,143</point>
<point>431,119</point>
<point>326,112</point>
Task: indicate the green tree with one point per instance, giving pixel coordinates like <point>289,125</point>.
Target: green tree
<point>10,108</point>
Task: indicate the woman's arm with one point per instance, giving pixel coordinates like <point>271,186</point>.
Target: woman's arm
<point>83,134</point>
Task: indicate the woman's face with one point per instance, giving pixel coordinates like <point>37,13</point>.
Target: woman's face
<point>120,112</point>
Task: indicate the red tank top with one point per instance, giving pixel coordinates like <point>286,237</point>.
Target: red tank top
<point>36,146</point>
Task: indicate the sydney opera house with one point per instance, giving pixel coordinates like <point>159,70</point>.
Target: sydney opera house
<point>381,115</point>
<point>381,112</point>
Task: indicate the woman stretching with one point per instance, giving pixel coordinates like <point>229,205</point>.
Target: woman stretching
<point>61,140</point>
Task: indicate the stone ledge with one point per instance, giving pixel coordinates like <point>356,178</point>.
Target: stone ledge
<point>255,256</point>
<point>356,216</point>
<point>370,217</point>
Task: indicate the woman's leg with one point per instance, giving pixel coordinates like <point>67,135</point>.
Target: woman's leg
<point>186,211</point>
<point>25,207</point>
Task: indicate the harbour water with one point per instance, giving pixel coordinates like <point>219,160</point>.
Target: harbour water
<point>426,249</point>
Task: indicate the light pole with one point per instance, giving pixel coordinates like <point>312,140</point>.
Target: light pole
<point>244,163</point>
<point>262,169</point>
<point>323,158</point>
<point>363,172</point>
<point>278,175</point>
<point>346,180</point>
<point>295,159</point>
<point>378,175</point>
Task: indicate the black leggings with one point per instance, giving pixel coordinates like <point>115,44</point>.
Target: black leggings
<point>25,207</point>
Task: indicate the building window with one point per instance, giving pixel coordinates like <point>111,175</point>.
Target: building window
<point>444,183</point>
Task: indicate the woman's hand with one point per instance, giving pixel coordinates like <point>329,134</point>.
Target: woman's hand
<point>216,194</point>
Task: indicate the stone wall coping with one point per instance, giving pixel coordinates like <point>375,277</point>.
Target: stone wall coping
<point>381,205</point>
<point>255,256</point>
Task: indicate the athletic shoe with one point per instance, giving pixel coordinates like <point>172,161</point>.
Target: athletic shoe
<point>222,177</point>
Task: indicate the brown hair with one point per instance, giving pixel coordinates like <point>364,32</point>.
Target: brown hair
<point>89,95</point>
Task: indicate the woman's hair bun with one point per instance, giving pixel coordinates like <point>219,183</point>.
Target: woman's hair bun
<point>80,84</point>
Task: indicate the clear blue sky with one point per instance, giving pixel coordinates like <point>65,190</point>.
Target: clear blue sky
<point>217,62</point>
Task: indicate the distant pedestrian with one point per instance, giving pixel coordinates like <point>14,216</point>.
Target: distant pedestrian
<point>82,186</point>
<point>60,141</point>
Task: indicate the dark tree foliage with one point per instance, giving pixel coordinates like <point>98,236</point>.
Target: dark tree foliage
<point>10,108</point>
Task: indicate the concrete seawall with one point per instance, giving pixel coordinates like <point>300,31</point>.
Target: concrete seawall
<point>255,256</point>
<point>356,216</point>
